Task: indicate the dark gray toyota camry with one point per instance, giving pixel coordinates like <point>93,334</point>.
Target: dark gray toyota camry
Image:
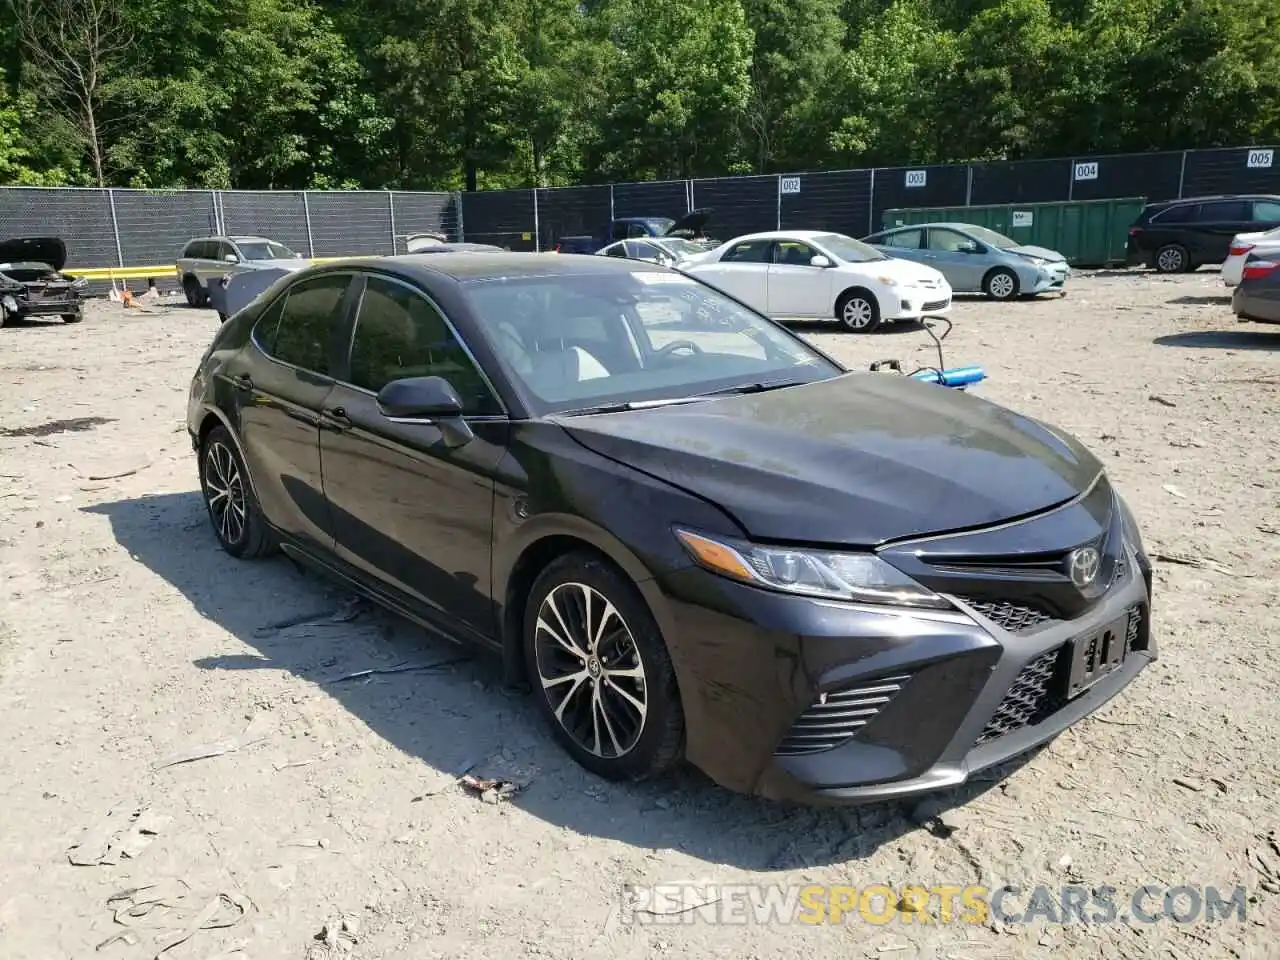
<point>691,534</point>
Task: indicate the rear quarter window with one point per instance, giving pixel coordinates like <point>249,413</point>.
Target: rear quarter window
<point>1183,213</point>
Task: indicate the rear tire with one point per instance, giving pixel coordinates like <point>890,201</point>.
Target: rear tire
<point>601,673</point>
<point>858,311</point>
<point>1000,284</point>
<point>72,317</point>
<point>7,318</point>
<point>1172,258</point>
<point>233,509</point>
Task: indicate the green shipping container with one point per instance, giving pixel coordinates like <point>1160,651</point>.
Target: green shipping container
<point>1089,233</point>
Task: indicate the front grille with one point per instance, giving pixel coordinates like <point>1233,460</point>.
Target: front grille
<point>1014,617</point>
<point>935,304</point>
<point>1030,699</point>
<point>837,715</point>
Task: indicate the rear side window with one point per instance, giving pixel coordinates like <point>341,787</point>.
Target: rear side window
<point>750,251</point>
<point>1179,214</point>
<point>311,311</point>
<point>1224,210</point>
<point>903,240</point>
<point>1267,211</point>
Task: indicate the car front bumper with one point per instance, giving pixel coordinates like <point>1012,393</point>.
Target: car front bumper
<point>42,306</point>
<point>940,695</point>
<point>914,304</point>
<point>1050,281</point>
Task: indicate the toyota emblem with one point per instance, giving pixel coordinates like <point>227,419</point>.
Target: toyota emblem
<point>1083,566</point>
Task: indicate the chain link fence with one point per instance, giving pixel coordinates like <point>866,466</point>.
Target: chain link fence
<point>148,228</point>
<point>854,201</point>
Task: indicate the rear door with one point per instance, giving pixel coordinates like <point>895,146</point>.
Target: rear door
<point>905,244</point>
<point>409,509</point>
<point>1216,222</point>
<point>742,272</point>
<point>281,380</point>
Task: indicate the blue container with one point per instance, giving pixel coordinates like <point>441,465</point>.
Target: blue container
<point>955,377</point>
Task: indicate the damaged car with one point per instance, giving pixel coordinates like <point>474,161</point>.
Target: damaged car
<point>32,284</point>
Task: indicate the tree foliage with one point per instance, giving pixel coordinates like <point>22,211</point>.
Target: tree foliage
<point>476,93</point>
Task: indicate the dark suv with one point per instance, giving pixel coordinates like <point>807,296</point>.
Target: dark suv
<point>1176,236</point>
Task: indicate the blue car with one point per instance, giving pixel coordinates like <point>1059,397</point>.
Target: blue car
<point>977,260</point>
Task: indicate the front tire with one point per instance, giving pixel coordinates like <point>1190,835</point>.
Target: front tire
<point>233,509</point>
<point>858,311</point>
<point>195,294</point>
<point>1000,284</point>
<point>72,317</point>
<point>600,670</point>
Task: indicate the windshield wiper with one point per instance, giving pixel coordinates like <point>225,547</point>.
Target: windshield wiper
<point>626,405</point>
<point>760,386</point>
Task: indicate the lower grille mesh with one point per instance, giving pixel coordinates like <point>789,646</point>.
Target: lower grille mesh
<point>836,716</point>
<point>1035,694</point>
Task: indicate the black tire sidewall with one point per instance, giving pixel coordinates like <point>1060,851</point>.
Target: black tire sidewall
<point>662,739</point>
<point>191,290</point>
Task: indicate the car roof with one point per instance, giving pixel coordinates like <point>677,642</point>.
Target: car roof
<point>1214,197</point>
<point>785,235</point>
<point>475,266</point>
<point>948,224</point>
<point>243,239</point>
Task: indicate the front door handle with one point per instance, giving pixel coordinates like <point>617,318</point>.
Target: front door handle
<point>335,418</point>
<point>242,381</point>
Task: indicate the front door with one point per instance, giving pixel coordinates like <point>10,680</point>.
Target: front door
<point>796,287</point>
<point>953,254</point>
<point>281,381</point>
<point>407,507</point>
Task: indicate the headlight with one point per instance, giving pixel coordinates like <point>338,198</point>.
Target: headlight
<point>889,281</point>
<point>860,577</point>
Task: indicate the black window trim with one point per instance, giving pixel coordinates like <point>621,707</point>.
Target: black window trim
<point>282,298</point>
<point>353,322</point>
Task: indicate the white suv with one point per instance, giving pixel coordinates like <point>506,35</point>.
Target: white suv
<point>206,260</point>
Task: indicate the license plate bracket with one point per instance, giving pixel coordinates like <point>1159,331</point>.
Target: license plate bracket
<point>1096,655</point>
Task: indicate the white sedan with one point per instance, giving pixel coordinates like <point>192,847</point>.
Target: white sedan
<point>1262,245</point>
<point>811,274</point>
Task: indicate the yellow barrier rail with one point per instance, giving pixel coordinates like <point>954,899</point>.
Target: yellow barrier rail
<point>164,270</point>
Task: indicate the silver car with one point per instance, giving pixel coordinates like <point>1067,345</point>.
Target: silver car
<point>977,260</point>
<point>667,251</point>
<point>204,261</point>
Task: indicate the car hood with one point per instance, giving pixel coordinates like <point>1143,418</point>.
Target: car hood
<point>905,271</point>
<point>691,224</point>
<point>48,250</point>
<point>859,460</point>
<point>1040,253</point>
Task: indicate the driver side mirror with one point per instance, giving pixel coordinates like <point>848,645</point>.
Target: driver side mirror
<point>971,246</point>
<point>819,261</point>
<point>231,258</point>
<point>429,399</point>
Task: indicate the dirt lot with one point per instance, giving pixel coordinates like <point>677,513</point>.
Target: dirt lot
<point>127,637</point>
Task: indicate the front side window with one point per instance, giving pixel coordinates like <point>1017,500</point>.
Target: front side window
<point>793,253</point>
<point>616,250</point>
<point>948,241</point>
<point>400,334</point>
<point>579,341</point>
<point>312,311</point>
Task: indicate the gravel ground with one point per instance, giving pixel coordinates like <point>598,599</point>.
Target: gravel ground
<point>127,638</point>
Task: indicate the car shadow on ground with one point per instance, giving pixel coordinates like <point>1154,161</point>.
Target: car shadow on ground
<point>831,326</point>
<point>462,714</point>
<point>1223,339</point>
<point>1223,299</point>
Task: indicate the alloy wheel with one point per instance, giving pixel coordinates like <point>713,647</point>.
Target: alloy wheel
<point>1170,260</point>
<point>857,313</point>
<point>224,492</point>
<point>590,670</point>
<point>1001,286</point>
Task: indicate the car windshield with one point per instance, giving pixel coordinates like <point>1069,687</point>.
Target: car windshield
<point>848,249</point>
<point>264,250</point>
<point>581,341</point>
<point>679,246</point>
<point>991,238</point>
